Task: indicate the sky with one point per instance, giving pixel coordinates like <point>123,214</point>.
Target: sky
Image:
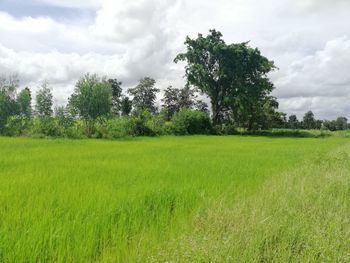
<point>61,40</point>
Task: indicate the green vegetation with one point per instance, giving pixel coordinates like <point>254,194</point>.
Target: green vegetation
<point>175,199</point>
<point>234,78</point>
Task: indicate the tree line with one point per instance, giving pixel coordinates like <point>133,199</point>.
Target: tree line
<point>234,78</point>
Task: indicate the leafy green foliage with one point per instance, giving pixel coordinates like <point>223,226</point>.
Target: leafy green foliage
<point>176,99</point>
<point>17,126</point>
<point>233,76</point>
<point>144,95</point>
<point>125,106</point>
<point>8,105</point>
<point>45,127</point>
<point>293,122</point>
<point>186,122</point>
<point>92,97</point>
<point>43,106</point>
<point>341,123</point>
<point>116,95</point>
<point>114,128</point>
<point>141,120</point>
<point>309,121</point>
<point>24,102</point>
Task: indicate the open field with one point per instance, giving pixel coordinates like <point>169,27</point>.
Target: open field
<point>175,199</point>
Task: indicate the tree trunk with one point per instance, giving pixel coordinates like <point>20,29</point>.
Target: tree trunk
<point>216,113</point>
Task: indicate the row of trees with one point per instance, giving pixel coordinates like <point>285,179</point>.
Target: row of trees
<point>232,76</point>
<point>99,108</point>
<point>99,102</point>
<point>309,122</point>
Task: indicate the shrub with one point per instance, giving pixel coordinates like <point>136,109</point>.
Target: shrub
<point>74,131</point>
<point>141,123</point>
<point>17,125</point>
<point>188,121</point>
<point>45,126</point>
<point>157,125</point>
<point>114,128</point>
<point>225,129</point>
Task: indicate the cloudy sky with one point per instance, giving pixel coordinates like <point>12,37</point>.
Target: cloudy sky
<point>60,40</point>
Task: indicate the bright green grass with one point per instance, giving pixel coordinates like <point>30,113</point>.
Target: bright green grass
<point>179,199</point>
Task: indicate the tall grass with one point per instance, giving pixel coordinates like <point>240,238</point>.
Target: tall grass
<point>301,215</point>
<point>157,199</point>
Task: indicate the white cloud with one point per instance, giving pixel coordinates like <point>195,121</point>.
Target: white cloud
<point>72,3</point>
<point>320,81</point>
<point>307,39</point>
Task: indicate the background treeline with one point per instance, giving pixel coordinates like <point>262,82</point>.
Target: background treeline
<point>98,108</point>
<point>233,78</point>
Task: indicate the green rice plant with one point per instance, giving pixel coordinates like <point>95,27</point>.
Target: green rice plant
<point>179,199</point>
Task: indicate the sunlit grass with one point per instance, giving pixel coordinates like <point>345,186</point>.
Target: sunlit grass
<point>145,199</point>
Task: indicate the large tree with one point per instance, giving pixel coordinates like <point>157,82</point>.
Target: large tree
<point>144,95</point>
<point>233,76</point>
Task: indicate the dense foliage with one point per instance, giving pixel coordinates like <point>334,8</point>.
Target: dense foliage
<point>234,76</point>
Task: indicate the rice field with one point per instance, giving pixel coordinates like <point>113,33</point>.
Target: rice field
<point>175,199</point>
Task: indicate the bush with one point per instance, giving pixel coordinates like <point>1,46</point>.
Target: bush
<point>186,122</point>
<point>114,128</point>
<point>225,129</point>
<point>157,125</point>
<point>17,126</point>
<point>141,123</point>
<point>45,126</point>
<point>74,131</point>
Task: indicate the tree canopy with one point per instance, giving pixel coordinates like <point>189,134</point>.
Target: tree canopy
<point>44,97</point>
<point>92,97</point>
<point>144,95</point>
<point>234,76</point>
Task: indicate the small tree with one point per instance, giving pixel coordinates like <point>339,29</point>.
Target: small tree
<point>309,121</point>
<point>341,123</point>
<point>329,125</point>
<point>24,100</point>
<point>92,98</point>
<point>293,122</point>
<point>187,97</point>
<point>44,102</point>
<point>8,105</point>
<point>176,99</point>
<point>318,124</point>
<point>63,117</point>
<point>116,95</point>
<point>171,103</point>
<point>144,95</point>
<point>125,106</point>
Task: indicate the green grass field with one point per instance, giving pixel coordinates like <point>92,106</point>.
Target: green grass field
<point>175,199</point>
